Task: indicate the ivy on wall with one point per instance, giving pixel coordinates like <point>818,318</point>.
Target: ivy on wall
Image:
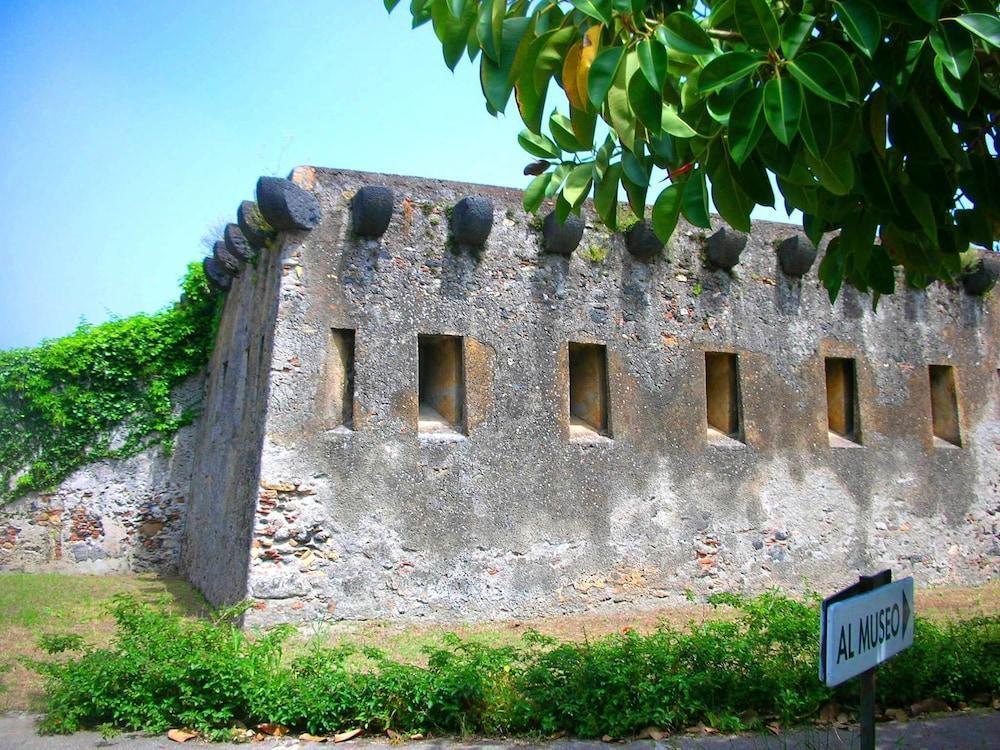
<point>103,391</point>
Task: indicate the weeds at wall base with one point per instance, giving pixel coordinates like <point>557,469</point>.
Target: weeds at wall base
<point>163,671</point>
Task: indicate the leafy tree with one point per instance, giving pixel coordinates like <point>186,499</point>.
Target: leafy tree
<point>877,119</point>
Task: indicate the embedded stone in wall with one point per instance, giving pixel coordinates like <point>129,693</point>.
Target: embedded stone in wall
<point>225,258</point>
<point>216,274</point>
<point>286,206</point>
<point>252,224</point>
<point>564,238</point>
<point>982,276</point>
<point>371,211</point>
<point>472,220</point>
<point>725,248</point>
<point>796,255</point>
<point>236,243</point>
<point>642,241</point>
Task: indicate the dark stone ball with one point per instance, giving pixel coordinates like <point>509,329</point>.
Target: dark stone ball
<point>217,277</point>
<point>562,239</point>
<point>472,220</point>
<point>252,224</point>
<point>642,241</point>
<point>229,262</point>
<point>796,255</point>
<point>236,243</point>
<point>371,211</point>
<point>286,206</point>
<point>725,247</point>
<point>982,276</point>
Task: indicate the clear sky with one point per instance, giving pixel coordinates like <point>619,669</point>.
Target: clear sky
<point>129,130</point>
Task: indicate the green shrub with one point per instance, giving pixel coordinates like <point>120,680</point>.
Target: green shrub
<point>162,671</point>
<point>61,401</point>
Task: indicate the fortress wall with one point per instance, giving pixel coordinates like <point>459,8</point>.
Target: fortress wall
<point>527,512</point>
<point>111,516</point>
<point>225,474</point>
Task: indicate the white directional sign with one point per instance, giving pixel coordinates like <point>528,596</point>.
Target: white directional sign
<point>866,630</point>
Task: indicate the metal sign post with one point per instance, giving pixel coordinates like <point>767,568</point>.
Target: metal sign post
<point>861,627</point>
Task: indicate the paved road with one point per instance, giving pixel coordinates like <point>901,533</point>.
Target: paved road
<point>979,730</point>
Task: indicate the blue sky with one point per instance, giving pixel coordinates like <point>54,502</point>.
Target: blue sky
<point>129,130</point>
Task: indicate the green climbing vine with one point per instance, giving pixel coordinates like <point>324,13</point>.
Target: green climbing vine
<point>102,391</point>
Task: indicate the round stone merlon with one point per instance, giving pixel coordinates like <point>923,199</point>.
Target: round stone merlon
<point>642,242</point>
<point>286,206</point>
<point>229,262</point>
<point>981,276</point>
<point>236,243</point>
<point>725,247</point>
<point>472,220</point>
<point>252,224</point>
<point>796,255</point>
<point>218,279</point>
<point>371,211</point>
<point>561,239</point>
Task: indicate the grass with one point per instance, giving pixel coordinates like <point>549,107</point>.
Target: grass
<point>32,605</point>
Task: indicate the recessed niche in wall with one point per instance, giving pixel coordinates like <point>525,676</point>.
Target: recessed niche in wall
<point>338,387</point>
<point>722,397</point>
<point>441,384</point>
<point>843,422</point>
<point>588,391</point>
<point>944,407</point>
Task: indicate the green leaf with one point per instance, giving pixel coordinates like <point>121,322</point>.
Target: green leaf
<point>606,195</point>
<point>783,107</point>
<point>726,69</point>
<point>620,114</point>
<point>835,172</point>
<point>390,4</point>
<point>451,31</point>
<point>818,75</point>
<point>730,200</point>
<point>584,124</point>
<point>816,126</point>
<point>831,268</point>
<point>653,62</point>
<point>578,184</point>
<point>953,46</point>
<point>983,25</point>
<point>681,32</point>
<point>962,92</point>
<point>538,145</point>
<point>757,24</point>
<point>645,102</point>
<point>563,208</point>
<point>601,75</point>
<point>671,122</point>
<point>881,274</point>
<point>534,194</point>
<point>634,168</point>
<point>666,212</point>
<point>842,63</point>
<point>794,32</point>
<point>861,23</point>
<point>746,123</point>
<point>635,190</point>
<point>694,203</point>
<point>497,80</point>
<point>490,28</point>
<point>926,10</point>
<point>599,10</point>
<point>562,132</point>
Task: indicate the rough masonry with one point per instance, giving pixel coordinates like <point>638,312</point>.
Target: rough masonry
<point>421,406</point>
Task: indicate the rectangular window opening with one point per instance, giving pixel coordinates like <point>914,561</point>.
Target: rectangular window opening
<point>944,406</point>
<point>340,378</point>
<point>842,403</point>
<point>588,390</point>
<point>441,384</point>
<point>722,397</point>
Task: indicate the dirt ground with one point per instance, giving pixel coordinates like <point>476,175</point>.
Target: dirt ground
<point>36,604</point>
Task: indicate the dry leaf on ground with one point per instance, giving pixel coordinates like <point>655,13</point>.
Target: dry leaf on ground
<point>180,735</point>
<point>350,734</point>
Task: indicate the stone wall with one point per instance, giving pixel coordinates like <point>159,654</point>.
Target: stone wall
<point>512,513</point>
<point>111,516</point>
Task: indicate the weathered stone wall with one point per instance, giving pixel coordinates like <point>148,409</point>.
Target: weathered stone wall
<point>223,492</point>
<point>514,517</point>
<point>111,516</point>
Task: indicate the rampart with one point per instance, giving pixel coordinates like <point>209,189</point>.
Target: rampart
<point>462,432</point>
